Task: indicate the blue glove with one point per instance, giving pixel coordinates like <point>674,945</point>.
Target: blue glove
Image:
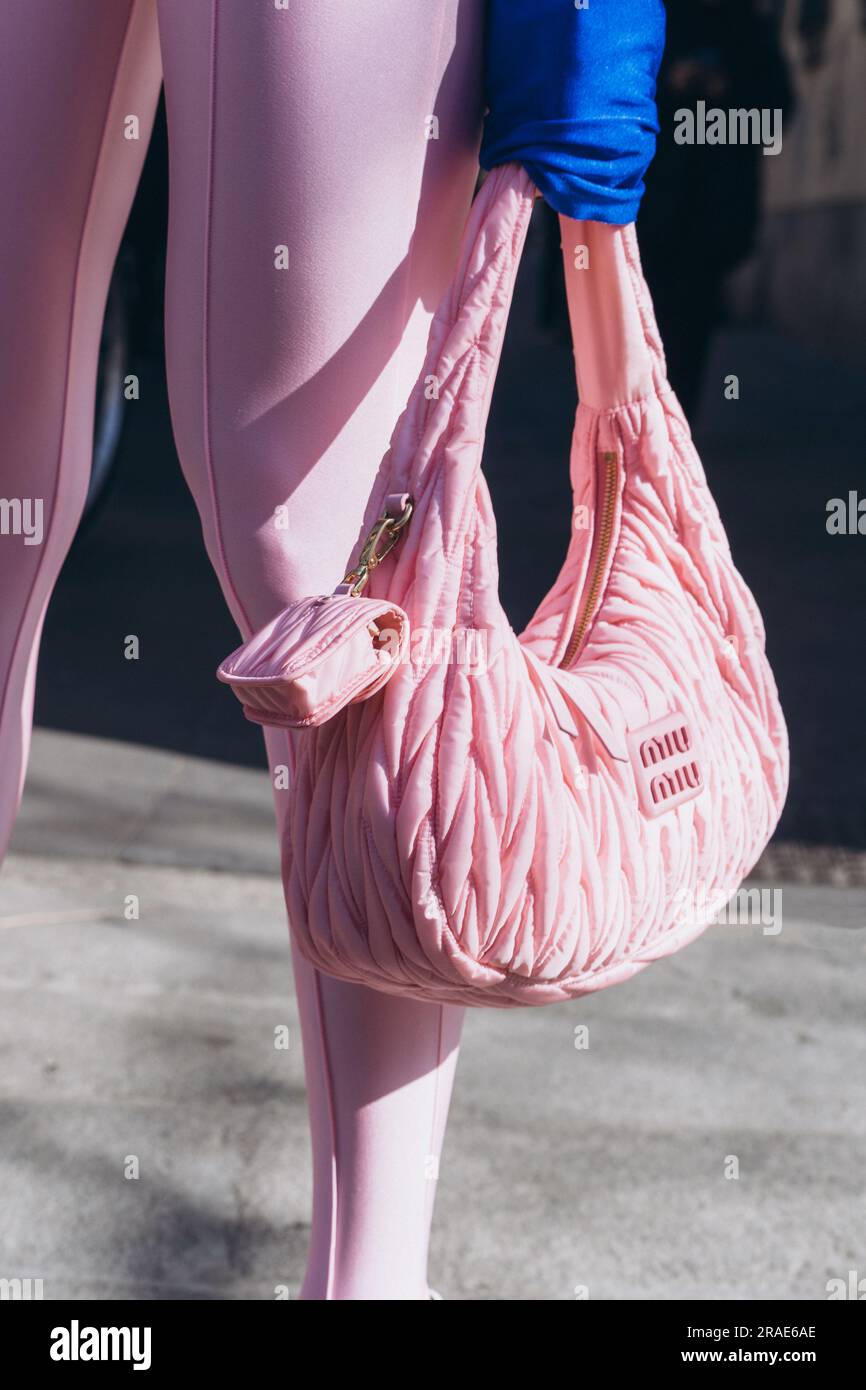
<point>571,97</point>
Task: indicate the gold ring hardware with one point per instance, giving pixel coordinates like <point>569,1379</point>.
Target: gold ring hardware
<point>381,541</point>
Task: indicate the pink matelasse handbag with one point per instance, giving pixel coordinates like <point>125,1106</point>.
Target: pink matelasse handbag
<point>485,819</point>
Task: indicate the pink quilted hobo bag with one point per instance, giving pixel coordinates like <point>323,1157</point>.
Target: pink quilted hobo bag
<point>486,819</point>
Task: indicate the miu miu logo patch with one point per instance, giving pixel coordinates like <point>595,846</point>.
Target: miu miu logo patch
<point>666,767</point>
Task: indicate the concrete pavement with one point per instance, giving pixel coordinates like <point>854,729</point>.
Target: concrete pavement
<point>151,1041</point>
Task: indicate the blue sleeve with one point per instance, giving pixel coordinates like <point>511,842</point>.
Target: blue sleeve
<point>571,96</point>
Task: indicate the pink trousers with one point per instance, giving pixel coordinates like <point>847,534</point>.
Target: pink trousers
<point>322,161</point>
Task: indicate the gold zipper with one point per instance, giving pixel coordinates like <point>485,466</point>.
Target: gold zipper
<point>603,537</point>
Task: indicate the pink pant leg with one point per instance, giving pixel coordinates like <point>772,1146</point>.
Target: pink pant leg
<point>323,159</point>
<point>70,76</point>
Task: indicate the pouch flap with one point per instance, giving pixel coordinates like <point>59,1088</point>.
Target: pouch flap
<point>315,657</point>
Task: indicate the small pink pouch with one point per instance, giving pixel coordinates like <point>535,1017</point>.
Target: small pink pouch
<point>316,656</point>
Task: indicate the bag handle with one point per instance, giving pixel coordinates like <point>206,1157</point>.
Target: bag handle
<point>481,288</point>
<point>618,354</point>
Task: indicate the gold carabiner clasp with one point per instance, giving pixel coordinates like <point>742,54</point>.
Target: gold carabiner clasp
<point>380,542</point>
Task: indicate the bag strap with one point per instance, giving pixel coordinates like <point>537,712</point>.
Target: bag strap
<point>618,354</point>
<point>474,310</point>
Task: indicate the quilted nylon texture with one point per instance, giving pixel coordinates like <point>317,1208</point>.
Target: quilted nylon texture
<point>474,832</point>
